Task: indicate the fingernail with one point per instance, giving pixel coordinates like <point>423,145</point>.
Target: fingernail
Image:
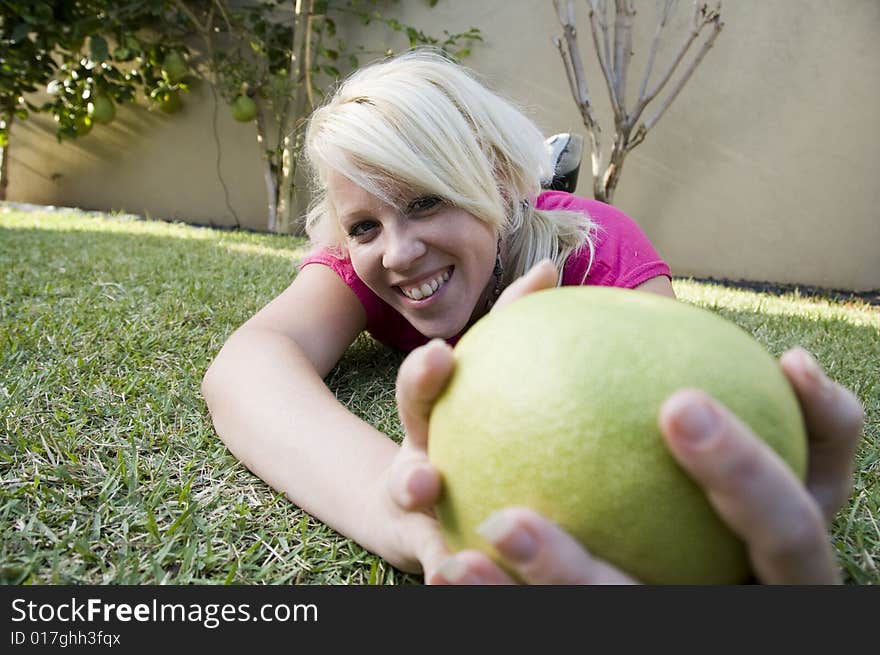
<point>696,422</point>
<point>453,570</point>
<point>433,355</point>
<point>419,484</point>
<point>512,541</point>
<point>435,344</point>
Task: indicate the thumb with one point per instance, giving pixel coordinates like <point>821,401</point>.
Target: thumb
<point>421,378</point>
<point>541,276</point>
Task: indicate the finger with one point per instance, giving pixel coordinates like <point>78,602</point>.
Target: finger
<point>469,567</point>
<point>834,419</point>
<point>428,543</point>
<point>752,489</point>
<point>540,552</point>
<point>413,483</point>
<point>542,275</point>
<point>420,380</point>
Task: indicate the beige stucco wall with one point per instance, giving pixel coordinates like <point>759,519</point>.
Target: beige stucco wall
<point>767,167</point>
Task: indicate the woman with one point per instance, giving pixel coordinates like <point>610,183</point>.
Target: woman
<point>428,213</point>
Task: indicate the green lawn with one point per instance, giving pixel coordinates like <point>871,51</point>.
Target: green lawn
<point>111,472</point>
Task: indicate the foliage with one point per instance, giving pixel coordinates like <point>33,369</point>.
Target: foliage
<point>76,51</point>
<point>280,54</point>
<point>283,55</point>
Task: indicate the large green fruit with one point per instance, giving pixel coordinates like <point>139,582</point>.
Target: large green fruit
<point>101,109</point>
<point>553,405</point>
<point>244,109</point>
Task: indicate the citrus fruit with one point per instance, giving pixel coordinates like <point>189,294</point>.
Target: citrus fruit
<point>101,109</point>
<point>244,109</point>
<point>82,125</point>
<point>169,101</point>
<point>553,405</point>
<point>174,67</point>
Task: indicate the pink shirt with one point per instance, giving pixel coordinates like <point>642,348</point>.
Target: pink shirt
<point>623,258</point>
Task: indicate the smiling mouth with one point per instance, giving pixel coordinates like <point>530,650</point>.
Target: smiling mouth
<point>428,288</point>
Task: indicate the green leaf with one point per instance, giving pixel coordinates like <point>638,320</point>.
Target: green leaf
<point>20,32</point>
<point>98,48</point>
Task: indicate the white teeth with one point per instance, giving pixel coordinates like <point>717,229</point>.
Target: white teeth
<point>426,289</point>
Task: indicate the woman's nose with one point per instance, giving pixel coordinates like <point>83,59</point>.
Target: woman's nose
<point>403,248</point>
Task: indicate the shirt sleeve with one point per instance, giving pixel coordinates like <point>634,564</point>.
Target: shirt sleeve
<point>624,255</point>
<point>383,322</point>
<point>343,268</point>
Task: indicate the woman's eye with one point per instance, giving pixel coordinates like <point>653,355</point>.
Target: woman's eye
<point>423,204</point>
<point>361,229</point>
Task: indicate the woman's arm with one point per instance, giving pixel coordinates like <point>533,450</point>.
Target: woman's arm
<point>660,285</point>
<point>272,409</point>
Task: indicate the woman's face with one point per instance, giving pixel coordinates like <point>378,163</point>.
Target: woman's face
<point>431,262</point>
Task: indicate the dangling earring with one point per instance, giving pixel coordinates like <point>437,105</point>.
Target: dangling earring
<point>497,272</point>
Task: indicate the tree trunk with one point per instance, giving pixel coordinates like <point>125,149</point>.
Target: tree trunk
<point>268,173</point>
<point>294,115</point>
<point>615,165</point>
<point>286,187</point>
<point>4,159</point>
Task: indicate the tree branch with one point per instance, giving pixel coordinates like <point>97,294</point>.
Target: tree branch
<point>577,80</point>
<point>308,56</point>
<point>181,6</point>
<point>668,6</point>
<point>601,9</point>
<point>597,22</point>
<point>624,12</point>
<point>574,65</point>
<point>219,5</point>
<point>715,18</point>
<point>708,16</point>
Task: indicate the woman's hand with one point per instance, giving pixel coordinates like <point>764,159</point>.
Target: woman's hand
<point>781,521</point>
<point>412,485</point>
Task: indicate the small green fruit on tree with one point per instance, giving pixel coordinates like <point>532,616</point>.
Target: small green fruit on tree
<point>82,125</point>
<point>244,109</point>
<point>174,67</point>
<point>553,405</point>
<point>169,101</point>
<point>101,109</point>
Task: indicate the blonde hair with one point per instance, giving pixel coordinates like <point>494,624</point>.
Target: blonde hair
<point>419,123</point>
